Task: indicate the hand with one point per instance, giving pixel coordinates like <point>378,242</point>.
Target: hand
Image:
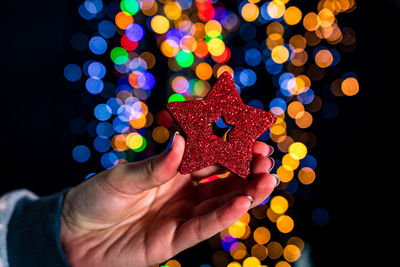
<point>143,213</point>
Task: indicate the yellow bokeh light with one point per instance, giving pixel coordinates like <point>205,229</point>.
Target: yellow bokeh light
<point>275,27</point>
<point>216,46</point>
<point>251,262</point>
<point>326,16</point>
<point>245,218</point>
<point>201,49</point>
<point>250,12</point>
<point>118,142</point>
<point>350,86</point>
<point>276,9</point>
<point>138,123</point>
<point>149,8</point>
<point>272,216</point>
<point>285,224</point>
<point>275,250</point>
<point>173,263</point>
<point>234,264</point>
<point>297,241</point>
<point>280,54</point>
<point>172,10</point>
<point>188,43</point>
<point>203,71</point>
<point>312,38</point>
<point>323,58</point>
<point>284,174</point>
<point>311,21</point>
<point>199,32</point>
<point>160,134</point>
<point>306,175</point>
<point>291,253</point>
<point>273,40</point>
<point>238,229</point>
<point>134,140</point>
<point>284,142</point>
<point>277,129</point>
<point>240,252</point>
<point>259,251</point>
<point>298,150</point>
<point>305,83</point>
<point>298,41</point>
<point>159,24</point>
<point>282,264</point>
<point>213,28</point>
<point>221,69</point>
<point>298,57</point>
<point>303,119</point>
<point>294,108</point>
<point>168,50</point>
<point>292,15</point>
<point>261,235</point>
<point>149,58</point>
<point>279,204</point>
<point>289,162</point>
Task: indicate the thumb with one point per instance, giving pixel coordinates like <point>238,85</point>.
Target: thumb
<point>142,175</point>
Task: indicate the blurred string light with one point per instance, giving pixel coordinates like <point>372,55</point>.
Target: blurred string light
<point>195,37</point>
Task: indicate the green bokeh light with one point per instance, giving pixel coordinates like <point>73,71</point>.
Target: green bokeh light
<point>184,59</point>
<point>142,147</point>
<point>130,6</point>
<point>176,98</point>
<point>208,38</point>
<point>119,55</point>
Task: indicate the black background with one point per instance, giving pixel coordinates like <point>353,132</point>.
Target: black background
<point>36,143</point>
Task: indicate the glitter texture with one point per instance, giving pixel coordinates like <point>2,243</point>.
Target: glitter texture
<point>202,147</point>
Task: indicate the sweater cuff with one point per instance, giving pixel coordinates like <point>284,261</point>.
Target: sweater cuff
<point>33,237</point>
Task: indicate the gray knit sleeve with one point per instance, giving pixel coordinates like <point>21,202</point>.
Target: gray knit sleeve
<point>7,205</point>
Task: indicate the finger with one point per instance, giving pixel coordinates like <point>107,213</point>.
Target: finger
<point>210,204</point>
<point>202,227</point>
<point>139,176</point>
<point>262,149</point>
<point>260,187</point>
<point>219,187</point>
<point>262,164</point>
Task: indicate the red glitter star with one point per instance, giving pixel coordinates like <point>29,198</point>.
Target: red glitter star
<point>202,147</point>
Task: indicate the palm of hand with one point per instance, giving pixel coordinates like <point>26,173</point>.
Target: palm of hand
<point>108,222</point>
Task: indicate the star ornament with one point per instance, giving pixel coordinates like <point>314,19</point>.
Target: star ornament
<point>203,148</point>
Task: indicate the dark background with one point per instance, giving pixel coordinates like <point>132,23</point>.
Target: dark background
<point>36,143</point>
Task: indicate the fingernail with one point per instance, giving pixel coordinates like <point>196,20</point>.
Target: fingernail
<point>277,179</point>
<point>272,151</point>
<point>273,164</point>
<point>171,143</point>
<point>251,199</point>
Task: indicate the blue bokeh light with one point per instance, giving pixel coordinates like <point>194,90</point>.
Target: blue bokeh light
<point>81,153</point>
<point>252,57</point>
<point>72,72</point>
<point>94,86</point>
<point>102,112</point>
<point>106,29</point>
<point>97,45</point>
<point>320,216</point>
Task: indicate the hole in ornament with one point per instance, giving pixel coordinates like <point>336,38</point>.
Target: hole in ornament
<point>220,129</point>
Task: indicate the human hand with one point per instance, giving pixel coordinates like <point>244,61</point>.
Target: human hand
<point>143,213</point>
